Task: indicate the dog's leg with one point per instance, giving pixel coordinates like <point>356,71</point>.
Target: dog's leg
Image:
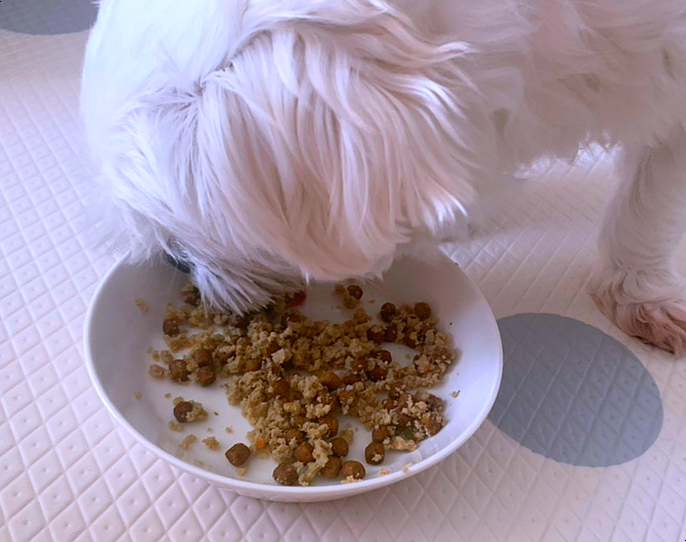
<point>638,288</point>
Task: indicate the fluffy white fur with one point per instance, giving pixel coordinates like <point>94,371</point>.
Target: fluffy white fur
<point>269,141</point>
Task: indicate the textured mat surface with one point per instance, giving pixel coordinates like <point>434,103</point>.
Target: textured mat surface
<point>69,473</point>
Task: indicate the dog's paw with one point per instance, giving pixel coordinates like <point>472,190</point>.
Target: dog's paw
<point>659,320</point>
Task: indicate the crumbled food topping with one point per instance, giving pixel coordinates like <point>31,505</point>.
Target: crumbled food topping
<point>174,426</point>
<point>188,441</point>
<point>211,442</point>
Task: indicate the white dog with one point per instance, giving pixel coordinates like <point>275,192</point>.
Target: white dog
<point>265,142</point>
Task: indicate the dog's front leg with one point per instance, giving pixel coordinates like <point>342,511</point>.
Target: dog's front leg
<point>637,287</point>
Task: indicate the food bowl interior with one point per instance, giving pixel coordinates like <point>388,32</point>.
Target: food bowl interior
<point>119,336</point>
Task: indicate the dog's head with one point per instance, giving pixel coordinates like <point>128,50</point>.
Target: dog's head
<point>328,135</point>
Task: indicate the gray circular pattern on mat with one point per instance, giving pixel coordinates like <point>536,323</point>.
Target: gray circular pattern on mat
<point>47,17</point>
<point>574,394</point>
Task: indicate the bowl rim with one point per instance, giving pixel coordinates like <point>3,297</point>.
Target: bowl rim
<point>290,493</point>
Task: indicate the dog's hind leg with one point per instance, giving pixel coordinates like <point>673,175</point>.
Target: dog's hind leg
<point>637,287</point>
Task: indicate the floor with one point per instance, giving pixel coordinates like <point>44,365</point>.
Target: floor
<point>587,441</point>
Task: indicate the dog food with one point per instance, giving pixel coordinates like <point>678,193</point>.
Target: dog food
<point>294,377</point>
<point>238,454</point>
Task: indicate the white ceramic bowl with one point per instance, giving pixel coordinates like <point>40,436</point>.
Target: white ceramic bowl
<point>118,335</point>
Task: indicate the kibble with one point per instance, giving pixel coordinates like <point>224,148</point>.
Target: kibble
<point>377,373</point>
<point>206,376</point>
<point>381,433</point>
<point>285,474</point>
<point>332,468</point>
<point>296,435</point>
<point>332,423</point>
<point>376,334</point>
<point>304,453</point>
<point>422,310</point>
<point>387,312</point>
<point>349,380</point>
<point>170,327</point>
<point>374,453</point>
<point>238,454</point>
<point>280,387</point>
<point>385,356</point>
<point>353,469</point>
<point>202,357</point>
<point>331,380</point>
<point>339,447</point>
<point>355,291</point>
<point>182,411</point>
<point>178,370</point>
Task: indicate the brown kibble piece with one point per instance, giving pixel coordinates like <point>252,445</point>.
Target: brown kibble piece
<point>387,312</point>
<point>354,469</point>
<point>332,468</point>
<point>431,423</point>
<point>178,370</point>
<point>304,453</point>
<point>331,380</point>
<point>339,447</point>
<point>377,373</point>
<point>376,334</point>
<point>410,339</point>
<point>170,327</point>
<point>273,347</point>
<point>332,422</point>
<point>358,365</point>
<point>281,387</point>
<point>403,420</point>
<point>206,376</point>
<point>349,380</point>
<point>296,434</point>
<point>238,454</point>
<point>374,453</point>
<point>285,474</point>
<point>434,402</point>
<point>182,410</point>
<point>385,356</point>
<point>202,357</point>
<point>391,334</point>
<point>355,291</point>
<point>381,433</point>
<point>252,364</point>
<point>299,420</point>
<point>422,310</point>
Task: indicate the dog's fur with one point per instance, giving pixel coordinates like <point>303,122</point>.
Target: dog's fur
<point>269,141</point>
